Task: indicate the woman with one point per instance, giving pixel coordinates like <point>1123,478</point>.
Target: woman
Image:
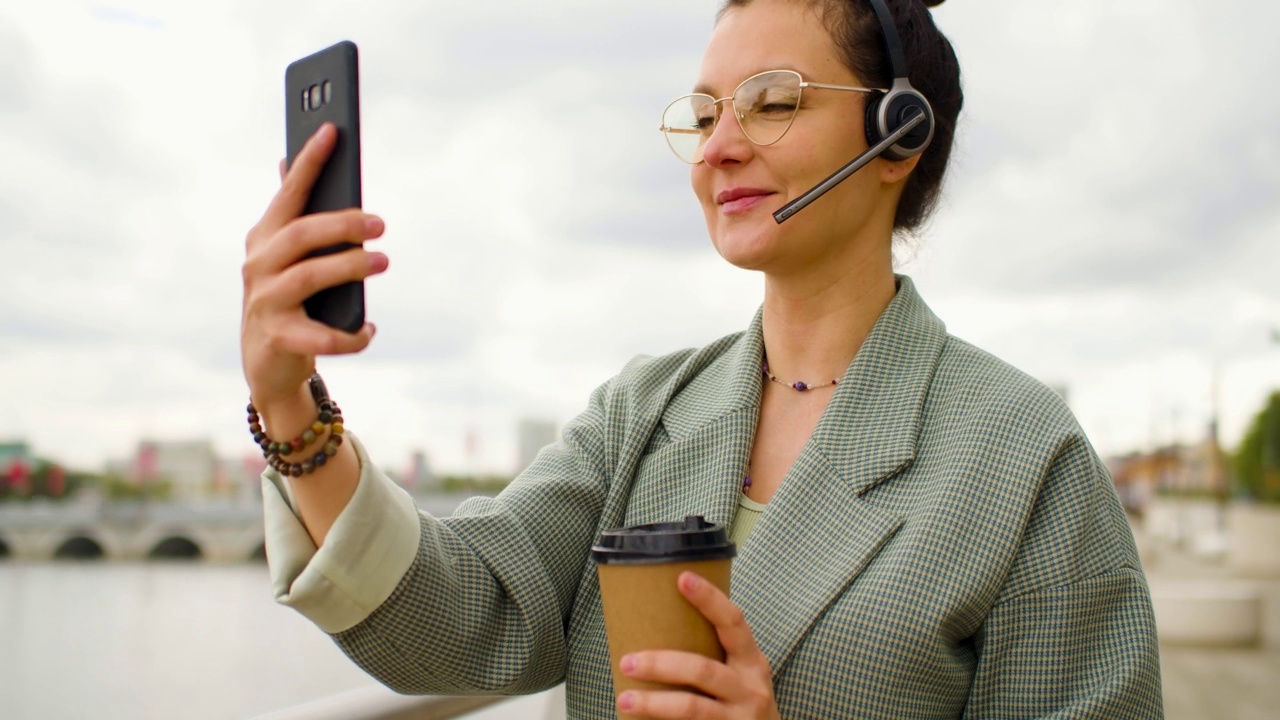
<point>924,531</point>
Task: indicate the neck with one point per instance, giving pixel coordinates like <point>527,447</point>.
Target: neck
<point>815,325</point>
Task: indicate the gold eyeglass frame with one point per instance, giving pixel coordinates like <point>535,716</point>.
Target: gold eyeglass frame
<point>667,132</point>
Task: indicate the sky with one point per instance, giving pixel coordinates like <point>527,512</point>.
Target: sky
<point>1109,224</point>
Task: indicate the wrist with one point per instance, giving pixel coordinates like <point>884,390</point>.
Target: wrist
<point>316,418</point>
<point>288,416</point>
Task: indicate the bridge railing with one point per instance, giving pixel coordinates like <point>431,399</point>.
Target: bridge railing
<point>378,703</point>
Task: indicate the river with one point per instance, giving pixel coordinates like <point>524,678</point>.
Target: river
<point>119,641</point>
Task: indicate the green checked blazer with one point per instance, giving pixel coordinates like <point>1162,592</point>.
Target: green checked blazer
<point>947,545</point>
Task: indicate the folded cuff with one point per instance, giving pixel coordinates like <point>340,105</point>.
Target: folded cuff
<point>368,550</point>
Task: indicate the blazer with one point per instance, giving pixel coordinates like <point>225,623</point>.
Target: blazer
<point>947,544</point>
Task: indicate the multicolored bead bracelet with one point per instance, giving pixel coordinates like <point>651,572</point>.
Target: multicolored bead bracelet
<point>328,419</point>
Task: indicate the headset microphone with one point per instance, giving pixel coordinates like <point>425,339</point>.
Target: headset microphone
<point>839,176</point>
<point>899,123</point>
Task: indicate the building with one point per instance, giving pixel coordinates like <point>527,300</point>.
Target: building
<point>243,478</point>
<point>531,436</point>
<point>16,465</point>
<point>419,477</point>
<point>190,465</point>
<point>1192,469</point>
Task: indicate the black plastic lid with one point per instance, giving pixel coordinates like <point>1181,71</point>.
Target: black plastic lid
<point>688,540</point>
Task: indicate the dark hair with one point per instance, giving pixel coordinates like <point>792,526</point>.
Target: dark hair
<point>933,70</point>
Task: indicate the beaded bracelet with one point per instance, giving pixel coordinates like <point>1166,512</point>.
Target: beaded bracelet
<point>329,418</point>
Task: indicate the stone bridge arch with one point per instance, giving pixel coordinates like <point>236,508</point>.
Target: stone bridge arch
<point>220,543</point>
<point>170,541</point>
<point>80,546</point>
<point>175,547</point>
<point>78,542</point>
<point>215,533</point>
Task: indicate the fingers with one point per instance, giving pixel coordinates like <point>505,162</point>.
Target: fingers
<point>303,279</point>
<point>311,338</point>
<point>731,627</point>
<point>310,233</point>
<point>670,704</point>
<point>739,687</point>
<point>675,667</point>
<point>296,183</point>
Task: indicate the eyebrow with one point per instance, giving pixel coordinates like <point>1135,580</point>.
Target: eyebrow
<point>702,88</point>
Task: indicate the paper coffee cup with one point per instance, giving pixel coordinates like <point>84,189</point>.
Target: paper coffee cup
<point>643,609</point>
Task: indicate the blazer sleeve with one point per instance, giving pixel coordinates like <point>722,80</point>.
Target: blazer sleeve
<point>1073,634</point>
<point>482,605</point>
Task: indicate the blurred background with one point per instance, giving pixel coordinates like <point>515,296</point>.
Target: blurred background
<point>1109,227</point>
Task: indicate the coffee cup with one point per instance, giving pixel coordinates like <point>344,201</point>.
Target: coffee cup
<point>643,610</point>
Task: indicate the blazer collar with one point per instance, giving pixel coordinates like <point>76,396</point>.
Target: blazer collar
<point>709,418</point>
<point>728,385</point>
<point>872,424</point>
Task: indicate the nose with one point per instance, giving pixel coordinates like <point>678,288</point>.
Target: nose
<point>727,143</point>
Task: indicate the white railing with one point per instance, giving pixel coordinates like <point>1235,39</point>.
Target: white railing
<point>378,703</point>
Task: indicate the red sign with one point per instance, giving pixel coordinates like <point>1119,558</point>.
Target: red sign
<point>18,475</point>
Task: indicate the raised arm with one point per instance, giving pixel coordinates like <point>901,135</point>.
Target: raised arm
<point>279,343</point>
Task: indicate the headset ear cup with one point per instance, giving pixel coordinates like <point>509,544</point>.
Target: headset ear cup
<point>871,123</point>
<point>893,110</point>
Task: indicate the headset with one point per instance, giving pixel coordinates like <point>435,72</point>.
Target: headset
<point>899,121</point>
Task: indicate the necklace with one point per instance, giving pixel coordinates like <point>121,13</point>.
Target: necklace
<point>798,386</point>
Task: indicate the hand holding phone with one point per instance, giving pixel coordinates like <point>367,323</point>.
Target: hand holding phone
<point>303,273</point>
<point>324,87</point>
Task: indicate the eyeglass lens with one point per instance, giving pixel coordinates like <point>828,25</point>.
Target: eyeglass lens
<point>765,106</point>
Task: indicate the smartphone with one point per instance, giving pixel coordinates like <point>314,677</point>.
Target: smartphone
<point>325,87</point>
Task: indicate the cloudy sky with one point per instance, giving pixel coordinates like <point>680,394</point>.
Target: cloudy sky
<point>1111,223</point>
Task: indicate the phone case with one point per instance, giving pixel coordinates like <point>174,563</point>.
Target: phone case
<point>319,88</point>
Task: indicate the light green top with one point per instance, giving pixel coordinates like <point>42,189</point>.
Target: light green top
<point>749,511</point>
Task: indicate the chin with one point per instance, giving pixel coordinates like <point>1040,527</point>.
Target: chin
<point>749,247</point>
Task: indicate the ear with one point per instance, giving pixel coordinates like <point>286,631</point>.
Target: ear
<point>892,172</point>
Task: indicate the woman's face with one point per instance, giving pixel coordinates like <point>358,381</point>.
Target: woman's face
<point>827,133</point>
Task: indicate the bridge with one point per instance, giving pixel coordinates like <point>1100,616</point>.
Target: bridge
<point>215,532</point>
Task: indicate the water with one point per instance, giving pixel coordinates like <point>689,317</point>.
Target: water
<point>162,640</point>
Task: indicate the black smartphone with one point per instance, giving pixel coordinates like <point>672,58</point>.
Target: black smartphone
<point>325,87</point>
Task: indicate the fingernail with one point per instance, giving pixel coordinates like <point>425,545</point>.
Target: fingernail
<point>688,581</point>
<point>373,329</point>
<point>626,701</point>
<point>378,262</point>
<point>628,664</point>
<point>374,225</point>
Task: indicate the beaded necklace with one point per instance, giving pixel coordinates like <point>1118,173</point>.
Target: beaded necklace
<point>798,386</point>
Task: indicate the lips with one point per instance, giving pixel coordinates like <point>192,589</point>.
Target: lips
<point>740,199</point>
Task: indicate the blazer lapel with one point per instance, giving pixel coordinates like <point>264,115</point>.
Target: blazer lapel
<point>817,533</point>
<point>698,454</point>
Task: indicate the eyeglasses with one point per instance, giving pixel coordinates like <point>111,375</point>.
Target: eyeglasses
<point>764,104</point>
